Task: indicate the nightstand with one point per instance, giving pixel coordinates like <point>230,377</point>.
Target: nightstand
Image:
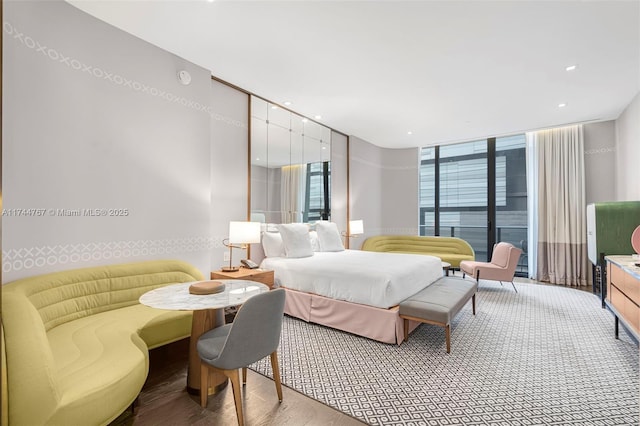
<point>259,275</point>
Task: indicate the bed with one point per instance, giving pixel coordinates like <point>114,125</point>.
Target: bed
<point>351,290</point>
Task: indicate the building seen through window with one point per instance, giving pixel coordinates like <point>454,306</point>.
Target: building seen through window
<point>476,191</point>
<point>318,195</point>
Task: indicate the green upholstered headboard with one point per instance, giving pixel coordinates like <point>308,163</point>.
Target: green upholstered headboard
<point>609,228</point>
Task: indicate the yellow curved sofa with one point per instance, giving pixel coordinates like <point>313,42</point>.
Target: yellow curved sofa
<point>77,341</point>
<point>449,249</point>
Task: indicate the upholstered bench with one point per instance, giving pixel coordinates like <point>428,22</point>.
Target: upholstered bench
<point>438,304</point>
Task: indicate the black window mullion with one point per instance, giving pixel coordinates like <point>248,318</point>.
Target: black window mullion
<point>325,182</point>
<point>491,195</point>
<point>436,198</point>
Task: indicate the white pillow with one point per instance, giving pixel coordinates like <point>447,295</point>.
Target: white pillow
<point>313,236</point>
<point>272,244</point>
<point>295,237</point>
<point>329,237</point>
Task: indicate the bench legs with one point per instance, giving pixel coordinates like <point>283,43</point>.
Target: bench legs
<point>473,303</point>
<point>447,327</point>
<point>447,332</point>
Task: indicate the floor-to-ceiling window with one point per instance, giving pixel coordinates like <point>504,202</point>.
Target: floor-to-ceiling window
<point>476,191</point>
<point>511,195</point>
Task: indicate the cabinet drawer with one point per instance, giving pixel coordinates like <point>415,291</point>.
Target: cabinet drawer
<point>626,283</point>
<point>632,314</point>
<point>258,275</point>
<point>632,288</point>
<point>617,299</point>
<point>264,278</point>
<point>617,276</point>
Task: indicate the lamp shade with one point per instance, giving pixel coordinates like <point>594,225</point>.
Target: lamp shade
<point>244,232</point>
<point>356,227</point>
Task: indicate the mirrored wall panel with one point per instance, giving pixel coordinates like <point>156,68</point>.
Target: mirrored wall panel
<point>290,166</point>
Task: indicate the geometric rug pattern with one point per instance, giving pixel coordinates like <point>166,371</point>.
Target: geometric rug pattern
<point>543,356</point>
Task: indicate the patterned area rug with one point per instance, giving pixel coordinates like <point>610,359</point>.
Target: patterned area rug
<point>544,356</point>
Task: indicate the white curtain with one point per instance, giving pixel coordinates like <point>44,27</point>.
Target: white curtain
<point>293,189</point>
<point>532,205</point>
<point>559,218</point>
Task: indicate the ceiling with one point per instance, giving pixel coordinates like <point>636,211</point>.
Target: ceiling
<point>445,71</point>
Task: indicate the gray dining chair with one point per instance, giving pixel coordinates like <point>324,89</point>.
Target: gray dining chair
<point>254,334</point>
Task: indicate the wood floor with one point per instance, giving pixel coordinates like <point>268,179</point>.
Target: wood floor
<point>165,401</point>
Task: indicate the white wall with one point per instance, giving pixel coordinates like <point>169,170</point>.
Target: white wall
<point>365,187</point>
<point>628,152</point>
<point>95,118</point>
<point>229,167</point>
<point>600,161</point>
<point>384,189</point>
<point>339,200</point>
<point>400,191</point>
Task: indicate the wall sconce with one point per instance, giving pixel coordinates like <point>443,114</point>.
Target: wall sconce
<point>242,233</point>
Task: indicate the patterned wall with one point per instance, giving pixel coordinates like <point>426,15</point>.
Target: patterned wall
<point>107,154</point>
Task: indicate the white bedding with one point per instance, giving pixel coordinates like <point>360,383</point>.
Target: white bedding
<point>371,278</point>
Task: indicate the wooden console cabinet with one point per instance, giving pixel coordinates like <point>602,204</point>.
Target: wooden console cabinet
<point>623,292</point>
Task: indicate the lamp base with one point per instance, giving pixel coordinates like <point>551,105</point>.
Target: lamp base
<point>230,268</point>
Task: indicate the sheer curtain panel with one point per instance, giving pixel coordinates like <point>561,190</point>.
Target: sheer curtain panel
<point>293,184</point>
<point>561,212</point>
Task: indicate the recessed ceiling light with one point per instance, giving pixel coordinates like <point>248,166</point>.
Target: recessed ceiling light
<point>571,67</point>
<point>409,132</point>
<point>318,117</point>
<point>304,120</point>
<point>562,105</point>
<point>274,106</point>
<point>287,103</point>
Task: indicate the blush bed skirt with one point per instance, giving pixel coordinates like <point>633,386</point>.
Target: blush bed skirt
<point>383,325</point>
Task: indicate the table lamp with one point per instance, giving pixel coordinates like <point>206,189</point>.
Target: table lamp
<point>356,227</point>
<point>242,233</point>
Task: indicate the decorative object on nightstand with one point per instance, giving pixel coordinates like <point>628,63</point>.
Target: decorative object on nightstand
<point>243,233</point>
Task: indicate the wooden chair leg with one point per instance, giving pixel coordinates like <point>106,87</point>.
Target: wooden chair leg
<point>244,376</point>
<point>276,374</point>
<point>204,384</point>
<point>234,376</point>
<point>447,330</point>
<point>473,303</point>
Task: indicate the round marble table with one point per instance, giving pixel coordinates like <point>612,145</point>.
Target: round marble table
<point>208,313</point>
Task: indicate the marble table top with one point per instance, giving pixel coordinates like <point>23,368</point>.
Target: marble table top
<point>627,263</point>
<point>177,296</point>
